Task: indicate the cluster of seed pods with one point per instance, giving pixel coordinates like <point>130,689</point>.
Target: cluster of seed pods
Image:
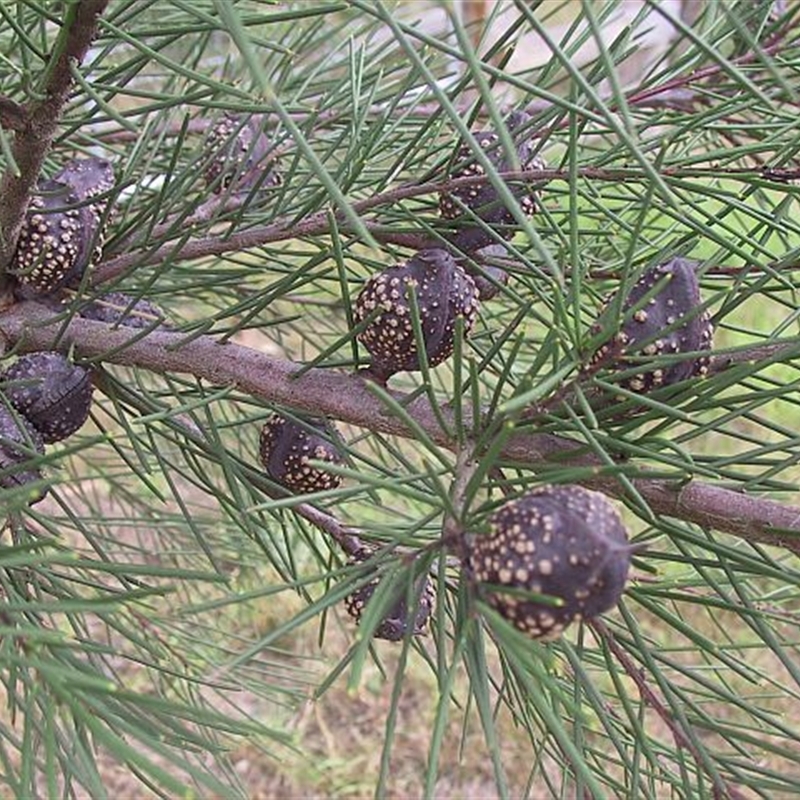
<point>559,553</point>
<point>436,288</point>
<point>44,398</point>
<point>295,453</point>
<point>443,290</point>
<point>553,556</point>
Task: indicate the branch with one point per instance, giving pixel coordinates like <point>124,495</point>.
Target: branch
<point>673,94</point>
<point>678,99</point>
<point>452,525</point>
<point>772,352</point>
<point>320,223</point>
<point>32,142</point>
<point>639,97</point>
<point>348,398</point>
<point>346,536</point>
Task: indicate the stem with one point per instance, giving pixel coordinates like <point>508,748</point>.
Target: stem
<point>453,524</point>
<point>346,537</point>
<point>651,699</point>
<point>320,223</point>
<point>643,96</point>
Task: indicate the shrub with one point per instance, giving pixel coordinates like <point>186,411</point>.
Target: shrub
<point>164,598</point>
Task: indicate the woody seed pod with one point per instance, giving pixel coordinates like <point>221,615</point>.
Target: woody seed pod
<point>286,447</point>
<point>556,555</point>
<point>239,153</point>
<point>89,178</point>
<point>662,316</point>
<point>19,440</point>
<point>444,292</point>
<point>482,198</point>
<point>394,625</point>
<point>62,233</point>
<point>53,395</point>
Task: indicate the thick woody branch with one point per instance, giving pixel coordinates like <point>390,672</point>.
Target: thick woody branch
<point>12,115</point>
<point>33,139</point>
<point>29,326</point>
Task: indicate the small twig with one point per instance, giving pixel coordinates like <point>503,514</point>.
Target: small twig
<point>453,524</point>
<point>194,126</point>
<point>497,475</point>
<point>513,265</point>
<point>642,96</point>
<point>680,736</point>
<point>646,692</point>
<point>178,223</point>
<point>201,125</point>
<point>725,270</point>
<point>674,94</point>
<point>566,393</point>
<point>231,199</point>
<point>753,354</point>
<point>346,537</point>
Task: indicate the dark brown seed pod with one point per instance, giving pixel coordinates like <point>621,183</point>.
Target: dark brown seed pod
<point>286,447</point>
<point>89,178</point>
<point>482,198</point>
<point>123,309</point>
<point>564,544</point>
<point>55,242</point>
<point>62,233</point>
<point>239,153</point>
<point>444,292</point>
<point>394,625</point>
<point>19,441</point>
<point>662,316</point>
<point>53,395</point>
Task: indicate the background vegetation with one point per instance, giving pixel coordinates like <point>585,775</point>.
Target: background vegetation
<point>170,625</point>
